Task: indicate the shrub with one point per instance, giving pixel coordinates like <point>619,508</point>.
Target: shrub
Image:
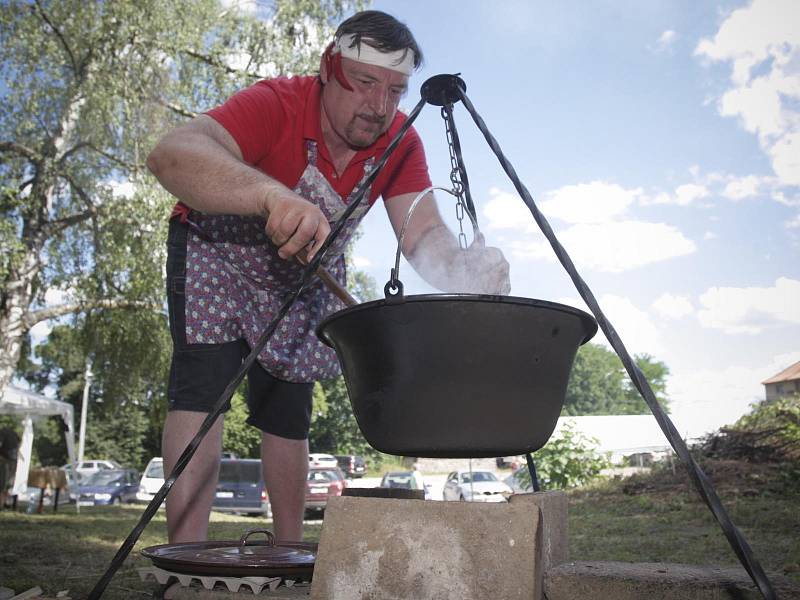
<point>568,460</point>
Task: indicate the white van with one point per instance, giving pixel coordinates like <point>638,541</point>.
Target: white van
<point>90,467</point>
<point>152,480</point>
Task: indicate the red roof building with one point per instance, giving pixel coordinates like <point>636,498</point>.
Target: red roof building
<point>785,383</point>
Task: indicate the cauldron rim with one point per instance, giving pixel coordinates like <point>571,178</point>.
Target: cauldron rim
<point>589,323</point>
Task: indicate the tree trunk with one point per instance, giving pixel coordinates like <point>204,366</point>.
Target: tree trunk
<point>19,287</point>
<point>17,296</point>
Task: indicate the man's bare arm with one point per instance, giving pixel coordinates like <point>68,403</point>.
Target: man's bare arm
<point>201,165</point>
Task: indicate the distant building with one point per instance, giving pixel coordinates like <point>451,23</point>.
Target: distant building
<point>785,383</point>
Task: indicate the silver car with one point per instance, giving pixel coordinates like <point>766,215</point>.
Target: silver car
<point>475,486</point>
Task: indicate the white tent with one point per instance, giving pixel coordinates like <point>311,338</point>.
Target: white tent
<point>621,435</point>
<point>28,406</point>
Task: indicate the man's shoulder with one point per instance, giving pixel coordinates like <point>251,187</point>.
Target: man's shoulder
<point>288,89</point>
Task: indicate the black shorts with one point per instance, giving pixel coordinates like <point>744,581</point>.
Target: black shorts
<point>199,373</point>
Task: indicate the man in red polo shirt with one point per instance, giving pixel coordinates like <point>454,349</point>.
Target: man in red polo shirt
<point>260,179</point>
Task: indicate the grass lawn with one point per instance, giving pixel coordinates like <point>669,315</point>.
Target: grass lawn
<point>67,551</point>
<point>643,519</point>
<point>678,527</point>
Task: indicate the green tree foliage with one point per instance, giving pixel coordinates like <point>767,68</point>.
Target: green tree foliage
<point>656,373</point>
<point>569,459</point>
<point>89,88</point>
<point>333,425</point>
<point>92,85</point>
<point>238,437</point>
<point>599,385</point>
<point>130,353</point>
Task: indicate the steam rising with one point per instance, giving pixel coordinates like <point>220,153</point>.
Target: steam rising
<point>437,257</point>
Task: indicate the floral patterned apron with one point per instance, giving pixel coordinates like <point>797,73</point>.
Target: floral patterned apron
<point>236,283</point>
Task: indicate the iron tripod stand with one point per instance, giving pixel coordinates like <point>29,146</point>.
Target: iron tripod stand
<point>445,90</point>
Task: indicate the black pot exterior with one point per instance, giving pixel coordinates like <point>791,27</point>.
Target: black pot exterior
<point>457,376</point>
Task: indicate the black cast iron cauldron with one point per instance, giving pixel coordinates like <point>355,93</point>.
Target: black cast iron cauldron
<point>457,375</point>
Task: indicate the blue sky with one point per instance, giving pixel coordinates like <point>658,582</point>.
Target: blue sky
<point>661,141</point>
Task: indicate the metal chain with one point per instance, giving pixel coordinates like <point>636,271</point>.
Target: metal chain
<point>455,177</point>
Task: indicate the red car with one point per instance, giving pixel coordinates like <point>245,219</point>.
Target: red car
<point>321,485</point>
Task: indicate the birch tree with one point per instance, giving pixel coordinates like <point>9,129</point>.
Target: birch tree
<point>88,86</point>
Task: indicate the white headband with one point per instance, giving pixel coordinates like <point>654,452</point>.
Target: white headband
<point>398,60</point>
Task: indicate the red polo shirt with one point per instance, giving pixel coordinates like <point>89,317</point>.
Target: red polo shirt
<point>272,119</point>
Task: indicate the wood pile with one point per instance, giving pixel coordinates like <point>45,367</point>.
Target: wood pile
<point>754,445</point>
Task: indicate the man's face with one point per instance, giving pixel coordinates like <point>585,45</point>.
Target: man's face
<point>360,116</point>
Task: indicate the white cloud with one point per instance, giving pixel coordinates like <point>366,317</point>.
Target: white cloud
<point>683,195</point>
<point>751,310</point>
<point>710,235</point>
<point>633,325</point>
<point>666,40</point>
<point>726,185</point>
<point>505,210</point>
<point>762,43</point>
<point>793,223</point>
<point>595,240</point>
<point>689,192</point>
<point>785,155</point>
<point>742,187</point>
<point>595,202</point>
<point>361,262</point>
<point>705,400</point>
<point>673,307</point>
<point>613,247</point>
<point>781,198</point>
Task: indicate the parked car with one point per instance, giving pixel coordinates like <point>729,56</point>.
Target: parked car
<point>109,486</point>
<point>409,480</point>
<point>475,486</point>
<point>517,484</point>
<point>321,484</point>
<point>152,480</point>
<point>90,467</point>
<point>241,489</point>
<point>317,460</point>
<point>351,465</point>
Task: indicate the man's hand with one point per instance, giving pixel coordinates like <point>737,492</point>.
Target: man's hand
<point>294,224</point>
<point>484,270</point>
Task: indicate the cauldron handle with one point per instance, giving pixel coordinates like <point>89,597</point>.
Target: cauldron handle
<point>393,290</point>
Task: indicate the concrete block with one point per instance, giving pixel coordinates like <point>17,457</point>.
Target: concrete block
<point>387,549</point>
<point>553,507</point>
<point>656,581</point>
